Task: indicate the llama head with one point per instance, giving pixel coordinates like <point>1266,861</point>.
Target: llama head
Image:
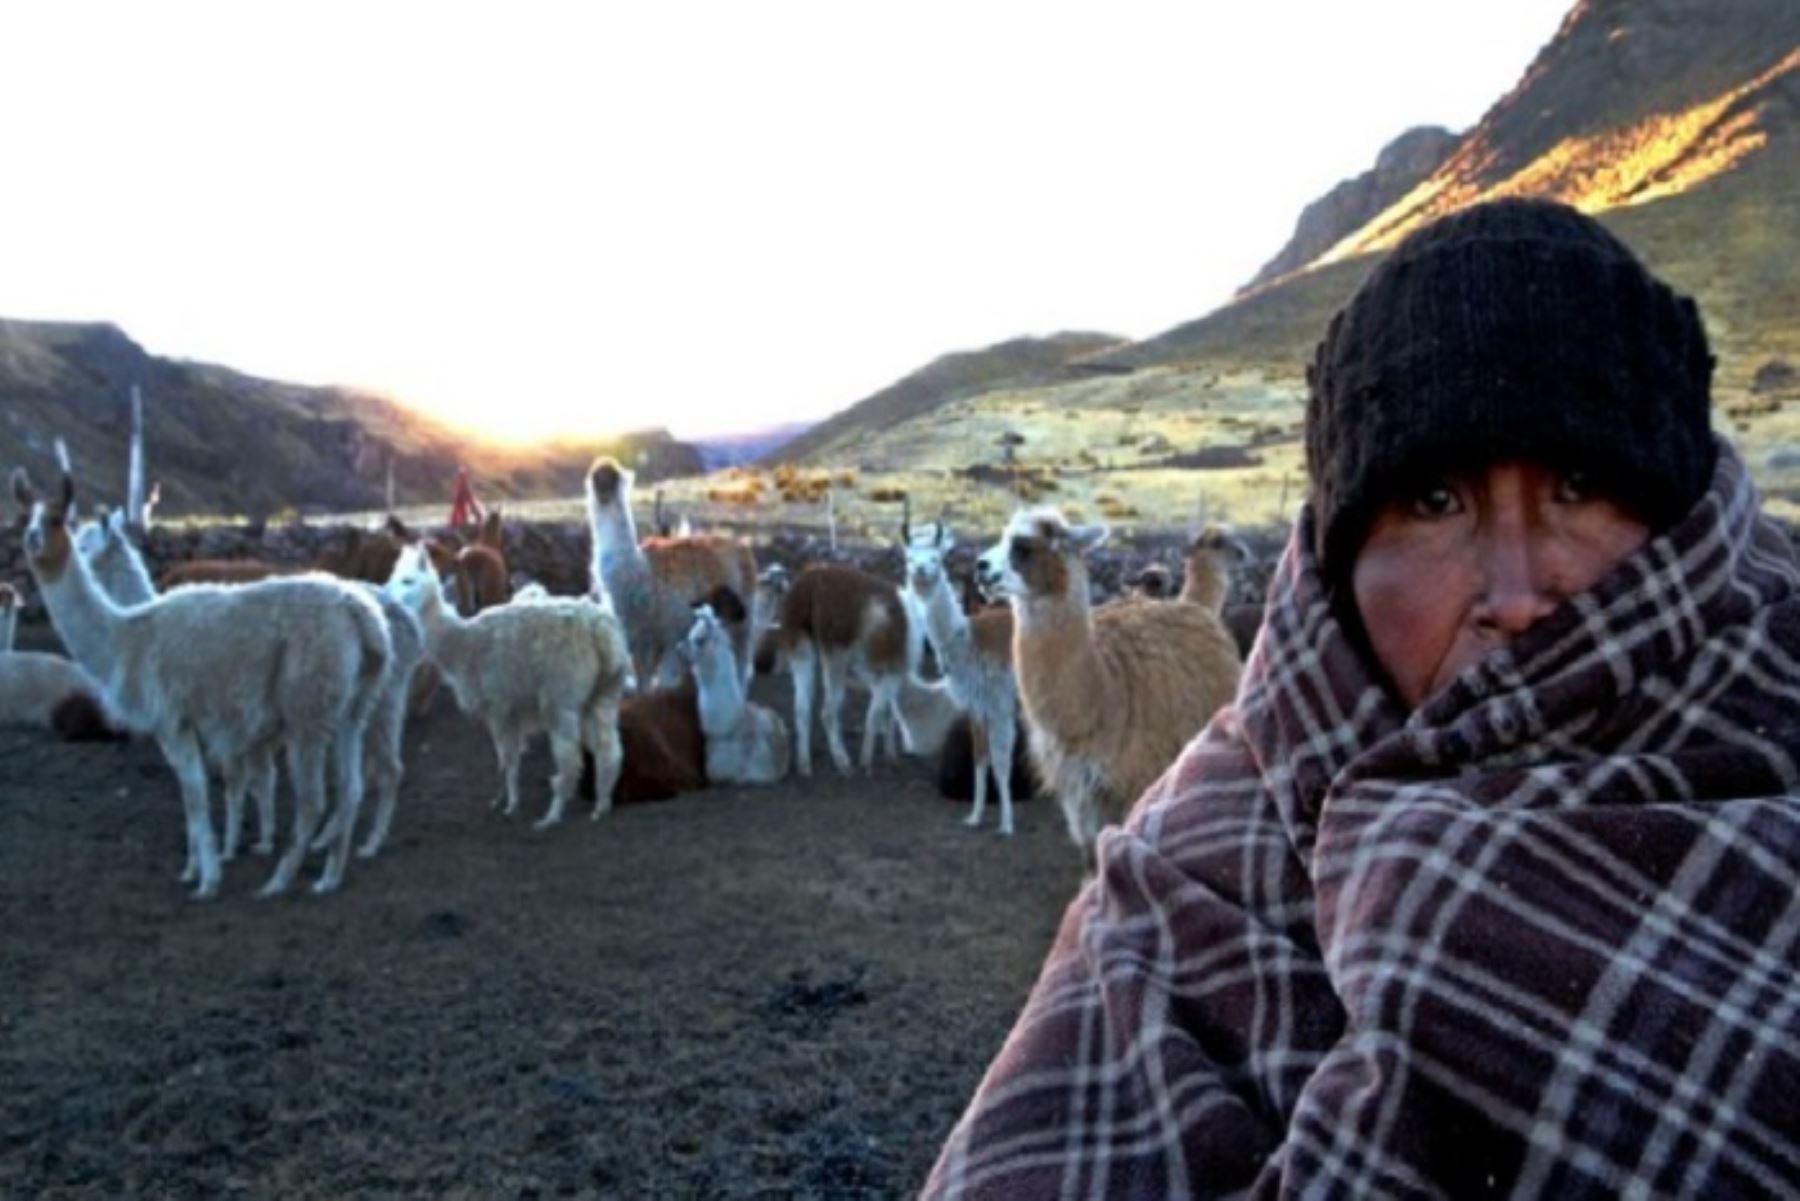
<point>413,581</point>
<point>1154,581</point>
<point>925,554</point>
<point>47,542</point>
<point>608,483</point>
<point>706,637</point>
<point>1037,557</point>
<point>1219,543</point>
<point>773,582</point>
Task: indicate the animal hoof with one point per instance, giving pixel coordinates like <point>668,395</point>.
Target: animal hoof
<point>367,850</point>
<point>273,888</point>
<point>544,823</point>
<point>266,847</point>
<point>974,823</point>
<point>1006,831</point>
<point>599,812</point>
<point>325,884</point>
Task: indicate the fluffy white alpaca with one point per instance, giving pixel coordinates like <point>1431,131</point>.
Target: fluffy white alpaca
<point>555,666</point>
<point>745,742</point>
<point>292,662</point>
<point>120,569</point>
<point>976,657</point>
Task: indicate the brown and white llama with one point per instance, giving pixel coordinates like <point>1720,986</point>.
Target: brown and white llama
<point>1111,695</point>
<point>976,656</point>
<point>224,672</point>
<point>746,743</point>
<point>654,585</point>
<point>837,622</point>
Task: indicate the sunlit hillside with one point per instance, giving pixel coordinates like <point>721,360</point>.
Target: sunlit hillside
<point>1678,124</point>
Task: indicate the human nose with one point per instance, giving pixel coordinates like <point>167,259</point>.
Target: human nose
<point>1518,591</point>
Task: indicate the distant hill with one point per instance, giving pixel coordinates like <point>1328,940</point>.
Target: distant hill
<point>221,442</point>
<point>1675,122</point>
<point>729,450</point>
<point>1016,363</point>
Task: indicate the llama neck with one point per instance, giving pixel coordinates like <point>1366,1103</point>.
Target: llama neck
<point>949,630</point>
<point>615,539</point>
<point>447,634</point>
<point>1054,651</point>
<point>721,690</point>
<point>121,569</point>
<point>85,620</point>
<point>9,622</point>
<point>1205,584</point>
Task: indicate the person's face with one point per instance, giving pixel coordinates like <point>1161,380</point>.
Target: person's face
<point>1469,561</point>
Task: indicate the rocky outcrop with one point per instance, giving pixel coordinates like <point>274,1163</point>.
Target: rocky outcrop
<point>1399,167</point>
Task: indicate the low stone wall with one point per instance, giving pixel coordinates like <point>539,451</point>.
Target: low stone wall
<point>556,554</point>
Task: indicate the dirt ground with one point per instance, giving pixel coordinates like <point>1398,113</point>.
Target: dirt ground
<point>779,992</point>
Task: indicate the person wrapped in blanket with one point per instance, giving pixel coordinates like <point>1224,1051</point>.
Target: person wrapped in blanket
<point>1488,882</point>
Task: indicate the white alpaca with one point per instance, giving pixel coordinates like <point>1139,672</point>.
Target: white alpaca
<point>555,666</point>
<point>34,686</point>
<point>120,569</point>
<point>226,673</point>
<point>745,742</point>
<point>386,737</point>
<point>976,657</point>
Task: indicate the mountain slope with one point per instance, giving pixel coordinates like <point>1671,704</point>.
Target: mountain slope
<point>1675,122</point>
<point>223,442</point>
<point>1017,363</point>
<point>1676,125</point>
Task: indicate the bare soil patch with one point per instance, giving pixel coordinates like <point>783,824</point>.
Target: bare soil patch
<point>784,992</point>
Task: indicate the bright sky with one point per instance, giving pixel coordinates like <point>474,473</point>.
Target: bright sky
<point>543,217</point>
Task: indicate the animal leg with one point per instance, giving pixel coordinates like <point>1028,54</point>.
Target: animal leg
<point>511,745</point>
<point>306,772</point>
<point>264,771</point>
<point>385,768</point>
<point>347,758</point>
<point>835,669</point>
<point>183,753</point>
<point>237,783</point>
<point>1001,741</point>
<point>565,750</point>
<point>801,663</point>
<point>603,744</point>
<point>978,736</point>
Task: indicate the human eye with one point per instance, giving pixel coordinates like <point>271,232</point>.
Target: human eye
<point>1433,500</point>
<point>1575,487</point>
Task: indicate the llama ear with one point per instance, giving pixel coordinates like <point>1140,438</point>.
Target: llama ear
<point>1087,537</point>
<point>945,539</point>
<point>22,490</point>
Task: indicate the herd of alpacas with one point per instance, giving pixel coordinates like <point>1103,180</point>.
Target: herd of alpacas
<point>239,668</point>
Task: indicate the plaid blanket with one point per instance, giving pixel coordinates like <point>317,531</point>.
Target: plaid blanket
<point>1539,937</point>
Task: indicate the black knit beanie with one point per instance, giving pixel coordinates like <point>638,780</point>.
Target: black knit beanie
<point>1517,329</point>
